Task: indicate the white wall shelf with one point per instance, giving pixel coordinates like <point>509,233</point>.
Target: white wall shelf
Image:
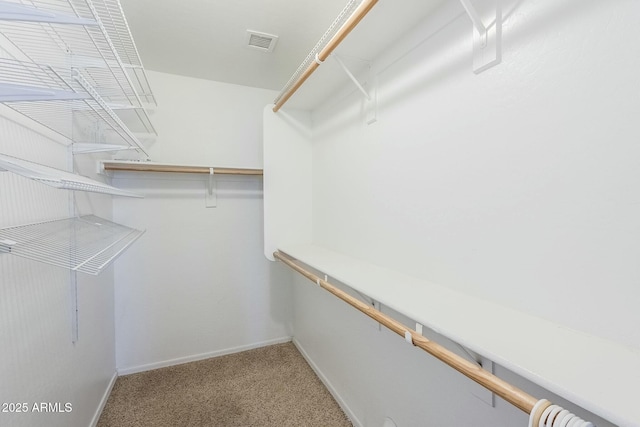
<point>100,110</point>
<point>58,178</point>
<point>11,11</point>
<point>89,47</point>
<point>29,82</point>
<point>87,244</point>
<point>112,16</point>
<point>363,29</point>
<point>599,375</point>
<point>36,91</point>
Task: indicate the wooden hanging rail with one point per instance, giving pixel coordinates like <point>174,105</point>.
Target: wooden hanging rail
<point>158,167</point>
<point>508,392</point>
<point>324,53</point>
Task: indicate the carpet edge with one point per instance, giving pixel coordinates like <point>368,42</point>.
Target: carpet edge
<point>201,356</point>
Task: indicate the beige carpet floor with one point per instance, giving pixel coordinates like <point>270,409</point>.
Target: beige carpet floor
<point>269,386</point>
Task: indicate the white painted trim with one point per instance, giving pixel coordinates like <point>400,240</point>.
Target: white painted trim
<point>196,357</point>
<point>103,401</point>
<point>345,407</point>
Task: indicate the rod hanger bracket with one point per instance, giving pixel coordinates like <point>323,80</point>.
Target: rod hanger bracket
<point>408,337</point>
<point>351,76</point>
<point>487,33</point>
<point>211,196</point>
<point>485,395</point>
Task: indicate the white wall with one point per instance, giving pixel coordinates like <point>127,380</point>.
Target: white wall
<point>516,179</point>
<point>287,136</point>
<point>197,284</point>
<point>517,185</point>
<point>38,362</point>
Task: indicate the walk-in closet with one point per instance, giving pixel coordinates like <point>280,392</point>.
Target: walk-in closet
<point>369,213</point>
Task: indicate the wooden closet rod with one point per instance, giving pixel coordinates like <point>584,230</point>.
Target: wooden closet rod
<point>343,32</point>
<point>508,392</point>
<point>146,167</point>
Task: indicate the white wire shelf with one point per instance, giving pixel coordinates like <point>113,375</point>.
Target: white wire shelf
<point>112,16</point>
<point>50,97</point>
<point>58,178</point>
<point>100,109</point>
<point>89,47</point>
<point>87,244</point>
<point>327,37</point>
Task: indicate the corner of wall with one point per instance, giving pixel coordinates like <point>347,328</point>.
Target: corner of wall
<point>287,179</point>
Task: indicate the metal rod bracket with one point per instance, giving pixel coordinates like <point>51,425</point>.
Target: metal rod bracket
<point>211,196</point>
<point>482,393</point>
<point>351,76</point>
<point>408,337</point>
<point>485,395</point>
<point>487,33</point>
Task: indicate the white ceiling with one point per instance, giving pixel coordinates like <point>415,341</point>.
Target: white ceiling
<point>207,38</point>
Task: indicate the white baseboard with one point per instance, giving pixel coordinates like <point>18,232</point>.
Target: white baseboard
<point>345,407</point>
<point>196,357</point>
<point>103,401</point>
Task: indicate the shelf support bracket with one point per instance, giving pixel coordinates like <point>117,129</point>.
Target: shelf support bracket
<point>371,102</point>
<point>487,33</point>
<point>212,196</point>
<point>478,391</point>
<point>351,76</point>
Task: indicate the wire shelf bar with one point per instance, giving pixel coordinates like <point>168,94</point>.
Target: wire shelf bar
<point>87,244</point>
<point>58,178</point>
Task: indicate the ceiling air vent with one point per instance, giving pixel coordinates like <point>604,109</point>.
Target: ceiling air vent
<point>261,41</point>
